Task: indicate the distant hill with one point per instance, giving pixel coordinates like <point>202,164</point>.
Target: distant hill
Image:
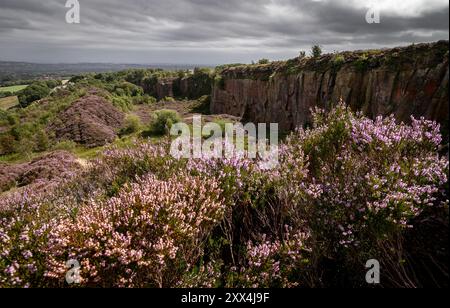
<point>10,71</point>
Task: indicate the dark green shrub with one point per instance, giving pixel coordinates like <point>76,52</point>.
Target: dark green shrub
<point>362,63</point>
<point>5,94</point>
<point>53,83</point>
<point>219,81</point>
<point>41,140</point>
<point>7,142</point>
<point>202,105</point>
<point>162,122</point>
<point>132,125</point>
<point>144,100</point>
<point>32,93</point>
<point>168,99</point>
<point>128,89</point>
<point>338,61</point>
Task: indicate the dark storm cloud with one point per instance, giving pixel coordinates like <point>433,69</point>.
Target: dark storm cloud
<point>209,31</point>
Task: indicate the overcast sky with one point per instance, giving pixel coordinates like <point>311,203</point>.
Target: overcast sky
<point>209,31</point>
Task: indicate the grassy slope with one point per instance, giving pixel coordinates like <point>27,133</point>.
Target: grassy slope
<point>11,101</point>
<point>13,89</point>
<point>8,102</point>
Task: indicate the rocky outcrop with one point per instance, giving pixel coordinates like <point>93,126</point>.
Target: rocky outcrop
<point>91,121</point>
<point>194,86</point>
<point>191,86</point>
<point>164,88</point>
<point>401,81</point>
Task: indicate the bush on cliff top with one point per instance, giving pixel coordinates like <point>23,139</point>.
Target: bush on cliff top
<point>316,51</point>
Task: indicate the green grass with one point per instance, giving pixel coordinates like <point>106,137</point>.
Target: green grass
<point>8,102</point>
<point>79,151</point>
<point>87,153</point>
<point>13,89</point>
<point>18,158</point>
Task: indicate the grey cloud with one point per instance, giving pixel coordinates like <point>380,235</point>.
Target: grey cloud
<point>209,31</point>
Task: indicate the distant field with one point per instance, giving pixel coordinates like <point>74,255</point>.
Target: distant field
<point>8,102</point>
<point>13,89</point>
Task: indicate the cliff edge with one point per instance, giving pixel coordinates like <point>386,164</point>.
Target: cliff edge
<point>405,81</point>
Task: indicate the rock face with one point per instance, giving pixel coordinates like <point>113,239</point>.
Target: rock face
<point>91,121</point>
<point>401,81</point>
<point>195,86</point>
<point>192,87</point>
<point>164,88</point>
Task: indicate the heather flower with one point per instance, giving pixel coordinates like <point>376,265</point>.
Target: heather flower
<point>360,179</point>
<point>137,217</point>
<point>146,236</point>
<point>272,263</point>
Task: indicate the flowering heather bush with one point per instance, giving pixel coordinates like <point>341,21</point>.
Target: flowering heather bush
<point>117,167</point>
<point>248,194</point>
<point>237,174</point>
<point>26,218</point>
<point>147,236</point>
<point>358,182</point>
<point>272,264</point>
<point>19,260</point>
<point>137,217</point>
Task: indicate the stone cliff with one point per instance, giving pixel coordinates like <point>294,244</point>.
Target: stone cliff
<point>191,86</point>
<point>401,81</point>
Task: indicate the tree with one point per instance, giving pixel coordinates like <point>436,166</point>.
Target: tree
<point>53,83</point>
<point>6,94</point>
<point>302,54</point>
<point>32,93</point>
<point>316,51</point>
<point>264,61</point>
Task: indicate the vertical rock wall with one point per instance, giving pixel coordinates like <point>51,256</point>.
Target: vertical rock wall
<point>401,81</point>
